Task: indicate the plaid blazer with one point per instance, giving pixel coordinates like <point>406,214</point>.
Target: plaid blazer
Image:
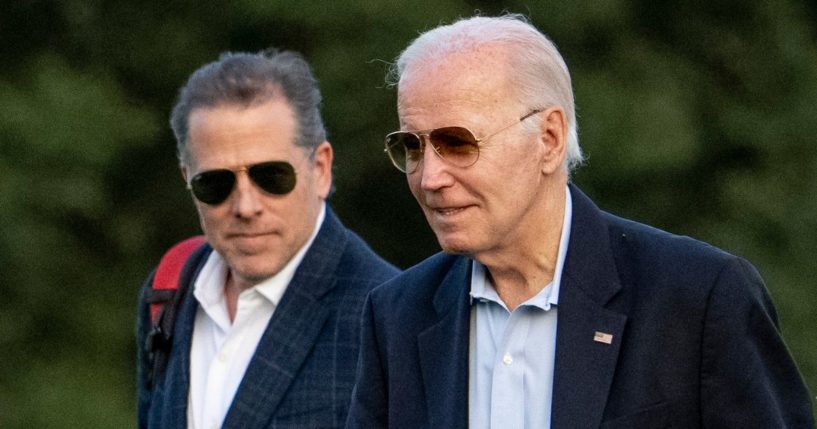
<point>302,372</point>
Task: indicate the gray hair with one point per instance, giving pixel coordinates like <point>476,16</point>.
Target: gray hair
<point>248,79</point>
<point>541,75</point>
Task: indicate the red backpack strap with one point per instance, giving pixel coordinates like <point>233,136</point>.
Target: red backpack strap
<point>169,271</point>
<point>162,298</point>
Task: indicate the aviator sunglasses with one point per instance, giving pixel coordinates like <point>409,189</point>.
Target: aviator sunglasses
<point>455,145</point>
<point>214,186</point>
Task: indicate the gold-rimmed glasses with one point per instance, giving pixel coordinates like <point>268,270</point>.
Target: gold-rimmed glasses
<point>457,146</point>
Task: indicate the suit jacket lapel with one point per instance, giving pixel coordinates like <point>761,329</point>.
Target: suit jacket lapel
<point>292,331</point>
<point>588,335</point>
<point>443,351</point>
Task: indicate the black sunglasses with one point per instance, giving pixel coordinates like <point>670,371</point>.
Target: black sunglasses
<point>214,186</point>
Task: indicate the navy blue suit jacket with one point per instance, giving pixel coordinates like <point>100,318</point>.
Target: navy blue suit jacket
<point>695,341</point>
<point>302,373</point>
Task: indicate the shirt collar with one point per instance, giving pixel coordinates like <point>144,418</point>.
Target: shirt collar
<point>482,289</point>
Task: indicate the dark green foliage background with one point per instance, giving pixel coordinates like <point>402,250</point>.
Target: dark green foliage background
<point>697,117</point>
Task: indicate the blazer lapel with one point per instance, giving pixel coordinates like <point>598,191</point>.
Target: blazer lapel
<point>588,335</point>
<point>443,351</point>
<point>292,331</point>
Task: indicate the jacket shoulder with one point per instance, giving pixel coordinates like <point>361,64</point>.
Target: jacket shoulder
<point>360,261</point>
<point>419,282</point>
<point>662,247</point>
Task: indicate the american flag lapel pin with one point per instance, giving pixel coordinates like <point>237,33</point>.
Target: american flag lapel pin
<point>603,337</point>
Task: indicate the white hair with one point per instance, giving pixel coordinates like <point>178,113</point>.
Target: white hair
<point>540,73</point>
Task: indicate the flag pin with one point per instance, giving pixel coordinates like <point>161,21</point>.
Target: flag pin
<point>603,337</point>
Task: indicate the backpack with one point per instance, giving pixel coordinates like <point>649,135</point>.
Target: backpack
<point>169,285</point>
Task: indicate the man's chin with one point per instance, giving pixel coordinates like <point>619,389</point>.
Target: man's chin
<point>253,274</point>
<point>454,247</point>
<point>249,279</point>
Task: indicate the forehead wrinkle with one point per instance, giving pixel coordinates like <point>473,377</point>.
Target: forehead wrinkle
<point>454,107</point>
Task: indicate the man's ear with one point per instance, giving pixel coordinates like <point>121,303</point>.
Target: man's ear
<point>553,137</point>
<point>323,169</point>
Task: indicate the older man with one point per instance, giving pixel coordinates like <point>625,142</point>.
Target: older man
<point>545,311</point>
<point>266,334</point>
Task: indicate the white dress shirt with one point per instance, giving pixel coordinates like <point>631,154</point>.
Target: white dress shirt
<point>221,351</point>
<point>512,353</point>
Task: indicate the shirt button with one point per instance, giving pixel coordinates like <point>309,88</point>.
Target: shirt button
<point>507,359</point>
<point>222,357</point>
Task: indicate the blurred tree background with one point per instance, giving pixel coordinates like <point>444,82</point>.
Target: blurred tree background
<point>698,117</point>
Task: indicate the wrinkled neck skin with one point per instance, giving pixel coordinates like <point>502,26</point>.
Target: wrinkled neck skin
<point>525,263</point>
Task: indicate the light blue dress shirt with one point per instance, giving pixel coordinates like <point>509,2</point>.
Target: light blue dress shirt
<point>512,353</point>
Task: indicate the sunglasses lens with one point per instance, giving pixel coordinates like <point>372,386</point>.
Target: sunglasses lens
<point>213,187</point>
<point>404,149</point>
<point>457,145</point>
<point>274,177</point>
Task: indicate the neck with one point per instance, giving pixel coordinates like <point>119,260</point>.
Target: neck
<point>233,286</point>
<point>521,269</point>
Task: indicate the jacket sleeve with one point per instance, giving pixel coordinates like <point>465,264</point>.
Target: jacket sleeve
<point>748,377</point>
<point>142,368</point>
<point>369,406</point>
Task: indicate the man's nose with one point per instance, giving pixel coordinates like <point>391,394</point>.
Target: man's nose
<point>433,169</point>
<point>246,198</point>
